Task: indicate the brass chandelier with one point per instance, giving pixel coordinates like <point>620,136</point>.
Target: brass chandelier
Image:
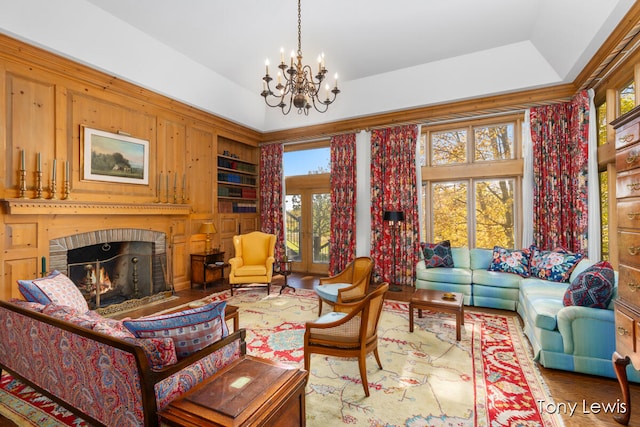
<point>296,85</point>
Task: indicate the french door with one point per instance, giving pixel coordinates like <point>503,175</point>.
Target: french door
<point>307,229</point>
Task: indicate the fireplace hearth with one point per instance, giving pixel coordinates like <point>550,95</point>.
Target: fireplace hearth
<point>116,267</point>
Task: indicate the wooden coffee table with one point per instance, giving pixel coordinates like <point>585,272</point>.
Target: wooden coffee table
<point>437,301</point>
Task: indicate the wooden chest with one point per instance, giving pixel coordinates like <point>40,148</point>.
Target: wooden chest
<point>249,392</point>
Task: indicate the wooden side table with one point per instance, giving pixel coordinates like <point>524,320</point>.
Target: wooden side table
<point>249,392</point>
<point>284,268</point>
<point>207,268</point>
<point>446,302</point>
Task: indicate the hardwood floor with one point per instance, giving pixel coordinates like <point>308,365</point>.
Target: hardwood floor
<point>584,392</point>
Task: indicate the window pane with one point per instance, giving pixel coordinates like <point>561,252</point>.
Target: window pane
<point>449,209</point>
<point>602,123</point>
<point>627,98</point>
<point>604,214</point>
<point>494,213</point>
<point>321,214</point>
<point>292,226</point>
<point>307,162</point>
<point>449,147</point>
<point>423,149</point>
<point>494,142</point>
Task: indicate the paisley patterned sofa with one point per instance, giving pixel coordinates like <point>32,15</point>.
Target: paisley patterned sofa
<point>102,378</point>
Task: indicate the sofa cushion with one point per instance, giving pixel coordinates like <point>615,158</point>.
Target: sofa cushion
<point>592,288</point>
<point>34,306</point>
<point>514,261</point>
<point>461,257</point>
<point>496,279</point>
<point>160,352</point>
<point>55,288</point>
<point>554,265</point>
<point>70,314</point>
<point>480,259</point>
<point>329,292</point>
<point>543,301</point>
<point>443,275</point>
<point>191,330</point>
<point>437,254</point>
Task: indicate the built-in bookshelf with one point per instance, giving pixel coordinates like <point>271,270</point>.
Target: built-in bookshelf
<point>237,178</point>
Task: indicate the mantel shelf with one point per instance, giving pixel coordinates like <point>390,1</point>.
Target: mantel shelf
<point>74,207</point>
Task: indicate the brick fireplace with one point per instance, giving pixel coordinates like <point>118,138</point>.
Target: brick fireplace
<point>124,266</point>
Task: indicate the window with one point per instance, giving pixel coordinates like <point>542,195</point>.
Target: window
<point>604,214</point>
<point>470,176</point>
<point>307,162</point>
<point>627,97</point>
<point>601,112</point>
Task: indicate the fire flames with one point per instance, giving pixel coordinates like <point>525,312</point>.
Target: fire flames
<point>102,280</point>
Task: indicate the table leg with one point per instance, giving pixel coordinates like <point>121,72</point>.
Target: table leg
<point>410,317</point>
<point>459,321</point>
<point>620,367</point>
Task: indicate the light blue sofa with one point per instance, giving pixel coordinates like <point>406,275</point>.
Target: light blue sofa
<point>578,339</point>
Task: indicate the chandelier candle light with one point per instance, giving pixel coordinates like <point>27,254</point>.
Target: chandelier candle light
<point>300,87</point>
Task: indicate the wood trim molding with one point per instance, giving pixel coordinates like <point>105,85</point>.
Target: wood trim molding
<point>70,207</point>
<point>28,55</point>
<point>468,108</point>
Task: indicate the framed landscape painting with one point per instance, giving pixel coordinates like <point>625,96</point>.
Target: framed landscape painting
<point>114,157</point>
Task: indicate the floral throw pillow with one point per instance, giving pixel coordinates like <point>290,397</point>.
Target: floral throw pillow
<point>592,288</point>
<point>555,265</point>
<point>511,261</point>
<point>437,254</point>
<point>55,288</point>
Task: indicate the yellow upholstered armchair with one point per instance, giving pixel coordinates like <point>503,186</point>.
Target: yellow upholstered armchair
<point>253,260</point>
<point>350,331</point>
<point>351,284</point>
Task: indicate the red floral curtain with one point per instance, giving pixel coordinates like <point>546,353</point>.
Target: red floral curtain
<point>559,134</point>
<point>394,188</point>
<point>343,201</point>
<point>271,194</point>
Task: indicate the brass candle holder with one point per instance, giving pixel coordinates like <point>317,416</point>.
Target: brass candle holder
<point>23,183</point>
<point>66,190</point>
<point>39,185</point>
<point>52,190</point>
<point>175,195</point>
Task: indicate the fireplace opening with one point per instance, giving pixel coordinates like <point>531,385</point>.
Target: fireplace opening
<point>114,272</point>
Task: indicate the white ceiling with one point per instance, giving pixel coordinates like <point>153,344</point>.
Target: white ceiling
<point>390,55</point>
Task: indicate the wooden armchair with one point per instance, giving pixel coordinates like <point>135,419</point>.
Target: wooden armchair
<point>350,332</point>
<point>350,285</point>
<point>253,260</point>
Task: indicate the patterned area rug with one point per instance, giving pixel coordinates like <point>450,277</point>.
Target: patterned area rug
<point>428,378</point>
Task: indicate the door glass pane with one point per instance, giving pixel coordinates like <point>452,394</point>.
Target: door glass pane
<point>450,212</point>
<point>494,213</point>
<point>293,223</point>
<point>321,219</point>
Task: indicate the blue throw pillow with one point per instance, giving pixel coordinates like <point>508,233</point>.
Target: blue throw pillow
<point>437,254</point>
<point>555,265</point>
<point>592,288</point>
<point>510,261</point>
<point>191,330</point>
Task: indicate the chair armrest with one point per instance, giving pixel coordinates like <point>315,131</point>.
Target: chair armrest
<point>342,277</point>
<point>327,325</point>
<point>236,262</point>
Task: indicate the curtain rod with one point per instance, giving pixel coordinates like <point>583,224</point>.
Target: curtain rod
<point>422,123</point>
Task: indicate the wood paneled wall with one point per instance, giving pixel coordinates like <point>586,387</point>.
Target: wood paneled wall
<point>45,101</point>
